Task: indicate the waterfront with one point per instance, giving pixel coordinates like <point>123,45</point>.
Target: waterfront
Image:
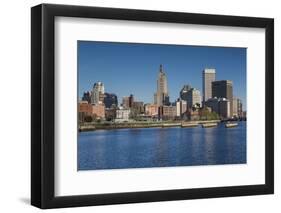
<point>161,147</point>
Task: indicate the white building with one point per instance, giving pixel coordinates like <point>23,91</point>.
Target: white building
<point>181,107</point>
<point>97,93</point>
<point>193,98</point>
<point>122,115</point>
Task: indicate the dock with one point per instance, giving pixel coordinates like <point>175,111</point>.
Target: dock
<point>208,125</point>
<point>171,124</point>
<point>185,125</point>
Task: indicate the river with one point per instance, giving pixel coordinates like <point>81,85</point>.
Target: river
<point>161,147</point>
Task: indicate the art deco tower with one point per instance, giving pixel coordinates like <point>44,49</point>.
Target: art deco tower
<point>161,97</point>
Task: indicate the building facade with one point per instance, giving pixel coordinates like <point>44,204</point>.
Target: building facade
<point>97,95</point>
<point>239,108</point>
<point>125,102</point>
<point>224,108</point>
<point>184,91</point>
<point>138,107</point>
<point>193,98</point>
<point>168,112</point>
<point>208,76</point>
<point>181,107</point>
<point>223,89</point>
<point>235,107</point>
<point>122,115</point>
<point>86,96</point>
<point>161,97</point>
<point>98,111</point>
<point>213,104</point>
<point>110,100</point>
<point>151,110</point>
<point>84,110</point>
<point>219,105</point>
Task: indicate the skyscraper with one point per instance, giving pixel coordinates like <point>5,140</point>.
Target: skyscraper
<point>223,89</point>
<point>86,96</point>
<point>208,76</point>
<point>235,107</point>
<point>193,98</point>
<point>110,100</point>
<point>97,93</point>
<point>161,97</point>
<point>184,91</point>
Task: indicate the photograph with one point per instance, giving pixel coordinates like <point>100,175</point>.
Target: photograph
<point>146,105</point>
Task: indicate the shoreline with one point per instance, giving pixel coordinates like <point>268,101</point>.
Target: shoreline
<point>135,125</point>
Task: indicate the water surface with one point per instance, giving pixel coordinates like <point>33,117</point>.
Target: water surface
<point>161,147</point>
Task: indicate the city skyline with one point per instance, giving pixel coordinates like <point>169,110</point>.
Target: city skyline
<point>123,72</point>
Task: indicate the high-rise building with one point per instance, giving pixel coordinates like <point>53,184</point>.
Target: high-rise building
<point>213,103</point>
<point>183,92</point>
<point>97,95</point>
<point>223,89</point>
<point>239,108</point>
<point>131,100</point>
<point>193,98</point>
<point>161,97</point>
<point>208,76</point>
<point>235,107</point>
<point>86,96</point>
<point>127,101</point>
<point>110,100</point>
<point>224,108</point>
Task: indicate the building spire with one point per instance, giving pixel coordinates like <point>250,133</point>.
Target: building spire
<point>161,68</point>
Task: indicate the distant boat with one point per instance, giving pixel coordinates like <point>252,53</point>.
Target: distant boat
<point>230,125</point>
<point>208,125</point>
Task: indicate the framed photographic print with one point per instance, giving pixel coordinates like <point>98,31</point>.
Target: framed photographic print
<point>139,106</point>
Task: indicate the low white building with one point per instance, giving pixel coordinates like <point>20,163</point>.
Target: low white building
<point>122,115</point>
<point>181,107</point>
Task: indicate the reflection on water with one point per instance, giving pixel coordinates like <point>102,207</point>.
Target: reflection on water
<point>161,147</point>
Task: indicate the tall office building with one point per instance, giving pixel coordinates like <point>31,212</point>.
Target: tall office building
<point>161,97</point>
<point>184,91</point>
<point>86,96</point>
<point>235,107</point>
<point>97,93</point>
<point>208,76</point>
<point>223,89</point>
<point>193,98</point>
<point>110,100</point>
<point>239,108</point>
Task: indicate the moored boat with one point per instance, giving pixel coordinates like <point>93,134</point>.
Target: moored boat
<point>230,125</point>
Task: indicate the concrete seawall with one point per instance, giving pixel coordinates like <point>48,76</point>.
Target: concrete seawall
<point>92,127</point>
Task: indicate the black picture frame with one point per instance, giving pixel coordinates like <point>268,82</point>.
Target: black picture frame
<point>43,105</point>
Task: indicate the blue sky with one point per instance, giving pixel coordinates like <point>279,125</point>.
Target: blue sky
<point>132,68</point>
